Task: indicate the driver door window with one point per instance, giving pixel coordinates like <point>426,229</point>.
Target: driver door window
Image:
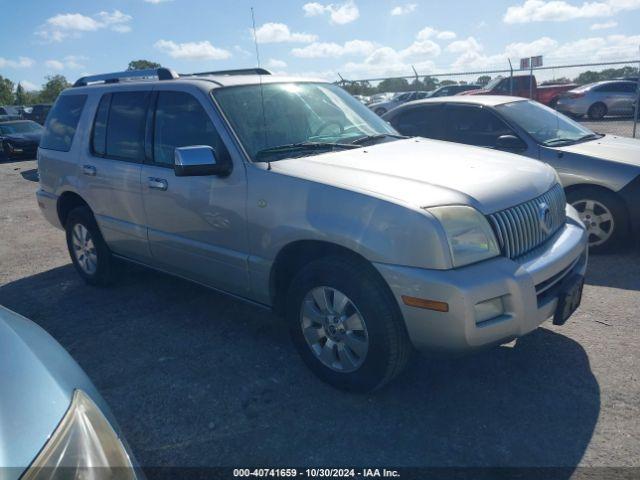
<point>474,126</point>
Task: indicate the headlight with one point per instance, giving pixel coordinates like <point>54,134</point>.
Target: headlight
<point>84,446</point>
<point>469,235</point>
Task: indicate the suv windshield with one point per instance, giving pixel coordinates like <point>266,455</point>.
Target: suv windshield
<point>19,127</point>
<point>274,116</point>
<point>545,125</point>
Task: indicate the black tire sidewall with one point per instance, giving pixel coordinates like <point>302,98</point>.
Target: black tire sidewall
<point>597,105</point>
<point>374,304</point>
<point>103,273</point>
<point>617,208</point>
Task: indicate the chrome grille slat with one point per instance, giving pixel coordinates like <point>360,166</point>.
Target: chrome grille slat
<point>518,228</point>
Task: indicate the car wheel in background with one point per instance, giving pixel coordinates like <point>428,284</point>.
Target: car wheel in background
<point>346,324</point>
<point>597,111</point>
<point>604,215</point>
<point>553,103</point>
<point>381,111</point>
<point>89,253</point>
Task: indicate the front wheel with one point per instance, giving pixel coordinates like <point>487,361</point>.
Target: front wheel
<point>604,216</point>
<point>346,325</point>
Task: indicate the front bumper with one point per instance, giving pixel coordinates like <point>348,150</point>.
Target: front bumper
<point>528,286</point>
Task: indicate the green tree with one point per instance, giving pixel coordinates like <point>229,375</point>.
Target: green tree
<point>50,90</point>
<point>21,95</point>
<point>483,80</point>
<point>430,83</point>
<point>444,83</point>
<point>394,85</point>
<point>608,74</point>
<point>142,65</point>
<point>6,91</point>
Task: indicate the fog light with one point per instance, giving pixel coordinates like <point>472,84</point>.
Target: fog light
<point>488,309</point>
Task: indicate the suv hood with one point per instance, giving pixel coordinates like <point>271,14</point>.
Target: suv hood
<point>609,147</point>
<point>426,173</point>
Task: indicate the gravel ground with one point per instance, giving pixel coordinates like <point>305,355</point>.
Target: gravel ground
<point>622,126</point>
<point>199,379</point>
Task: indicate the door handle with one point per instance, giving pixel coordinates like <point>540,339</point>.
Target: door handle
<point>89,170</point>
<point>158,183</point>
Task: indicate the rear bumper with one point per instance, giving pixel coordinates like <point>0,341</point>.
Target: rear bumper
<point>572,106</point>
<point>48,203</point>
<point>528,288</point>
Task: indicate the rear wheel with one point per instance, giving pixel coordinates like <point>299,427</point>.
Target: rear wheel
<point>346,325</point>
<point>89,253</point>
<point>381,111</point>
<point>597,111</point>
<point>604,216</point>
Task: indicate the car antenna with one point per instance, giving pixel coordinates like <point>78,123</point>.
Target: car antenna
<point>264,118</point>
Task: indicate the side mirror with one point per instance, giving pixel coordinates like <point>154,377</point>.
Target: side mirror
<point>197,161</point>
<point>510,142</point>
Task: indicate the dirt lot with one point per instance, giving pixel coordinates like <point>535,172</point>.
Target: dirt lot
<point>196,378</point>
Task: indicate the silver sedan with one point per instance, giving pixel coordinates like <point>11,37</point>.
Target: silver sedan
<point>596,100</point>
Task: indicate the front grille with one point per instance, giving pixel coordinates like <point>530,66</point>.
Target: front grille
<point>520,229</point>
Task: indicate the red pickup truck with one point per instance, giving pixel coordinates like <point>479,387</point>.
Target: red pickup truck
<point>521,87</point>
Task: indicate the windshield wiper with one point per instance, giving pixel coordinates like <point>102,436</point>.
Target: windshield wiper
<point>302,147</point>
<point>371,138</point>
<point>555,141</point>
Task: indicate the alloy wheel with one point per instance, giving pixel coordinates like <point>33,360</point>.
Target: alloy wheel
<point>84,249</point>
<point>334,329</point>
<point>597,219</point>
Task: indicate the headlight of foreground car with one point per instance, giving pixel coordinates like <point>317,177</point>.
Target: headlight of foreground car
<point>84,446</point>
<point>469,235</point>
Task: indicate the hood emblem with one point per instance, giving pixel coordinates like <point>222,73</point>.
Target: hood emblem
<point>544,217</point>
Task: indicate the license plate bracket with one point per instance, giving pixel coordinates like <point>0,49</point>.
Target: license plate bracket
<point>569,298</point>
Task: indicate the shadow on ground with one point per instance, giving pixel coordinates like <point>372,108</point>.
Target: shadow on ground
<point>620,270</point>
<point>196,378</point>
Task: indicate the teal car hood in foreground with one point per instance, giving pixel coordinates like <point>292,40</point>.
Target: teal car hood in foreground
<point>37,381</point>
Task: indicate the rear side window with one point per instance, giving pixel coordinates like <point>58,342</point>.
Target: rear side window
<point>181,122</point>
<point>424,121</point>
<point>126,122</point>
<point>62,122</point>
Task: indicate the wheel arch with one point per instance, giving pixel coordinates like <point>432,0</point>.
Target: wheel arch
<point>67,202</point>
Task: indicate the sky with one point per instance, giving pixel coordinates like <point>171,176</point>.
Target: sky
<point>353,38</point>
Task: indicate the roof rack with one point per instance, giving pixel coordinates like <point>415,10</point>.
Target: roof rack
<point>238,71</point>
<point>159,73</point>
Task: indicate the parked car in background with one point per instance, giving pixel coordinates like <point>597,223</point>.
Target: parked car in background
<point>363,98</point>
<point>9,112</point>
<point>38,113</point>
<point>398,99</point>
<point>523,86</point>
<point>55,424</point>
<point>597,100</point>
<point>449,90</point>
<point>19,139</point>
<point>381,97</point>
<point>600,173</point>
<point>292,194</point>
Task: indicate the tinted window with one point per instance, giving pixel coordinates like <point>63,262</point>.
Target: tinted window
<point>99,136</point>
<point>474,126</point>
<point>628,87</point>
<point>126,125</point>
<point>181,122</point>
<point>62,122</point>
<point>425,121</point>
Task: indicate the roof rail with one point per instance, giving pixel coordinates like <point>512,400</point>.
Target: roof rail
<point>238,71</point>
<point>159,73</point>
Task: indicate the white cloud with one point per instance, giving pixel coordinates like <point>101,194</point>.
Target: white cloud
<point>430,32</point>
<point>192,50</point>
<point>70,62</point>
<point>468,45</point>
<point>279,32</point>
<point>275,63</point>
<point>560,10</point>
<point>604,25</point>
<point>21,62</point>
<point>64,25</point>
<point>446,35</point>
<point>403,9</point>
<point>322,50</point>
<point>338,13</point>
<point>156,2</point>
<point>28,86</point>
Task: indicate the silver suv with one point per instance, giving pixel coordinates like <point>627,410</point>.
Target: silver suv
<point>291,194</point>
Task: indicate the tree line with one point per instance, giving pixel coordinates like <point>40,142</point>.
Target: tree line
<point>428,83</point>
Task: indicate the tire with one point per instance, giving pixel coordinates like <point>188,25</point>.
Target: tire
<point>593,204</point>
<point>597,111</point>
<point>553,103</point>
<point>373,316</point>
<point>381,111</point>
<point>90,254</point>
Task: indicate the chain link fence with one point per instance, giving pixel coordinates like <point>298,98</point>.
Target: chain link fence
<point>559,86</point>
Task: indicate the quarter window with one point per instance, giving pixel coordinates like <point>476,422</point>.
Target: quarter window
<point>62,122</point>
<point>99,136</point>
<point>181,121</point>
